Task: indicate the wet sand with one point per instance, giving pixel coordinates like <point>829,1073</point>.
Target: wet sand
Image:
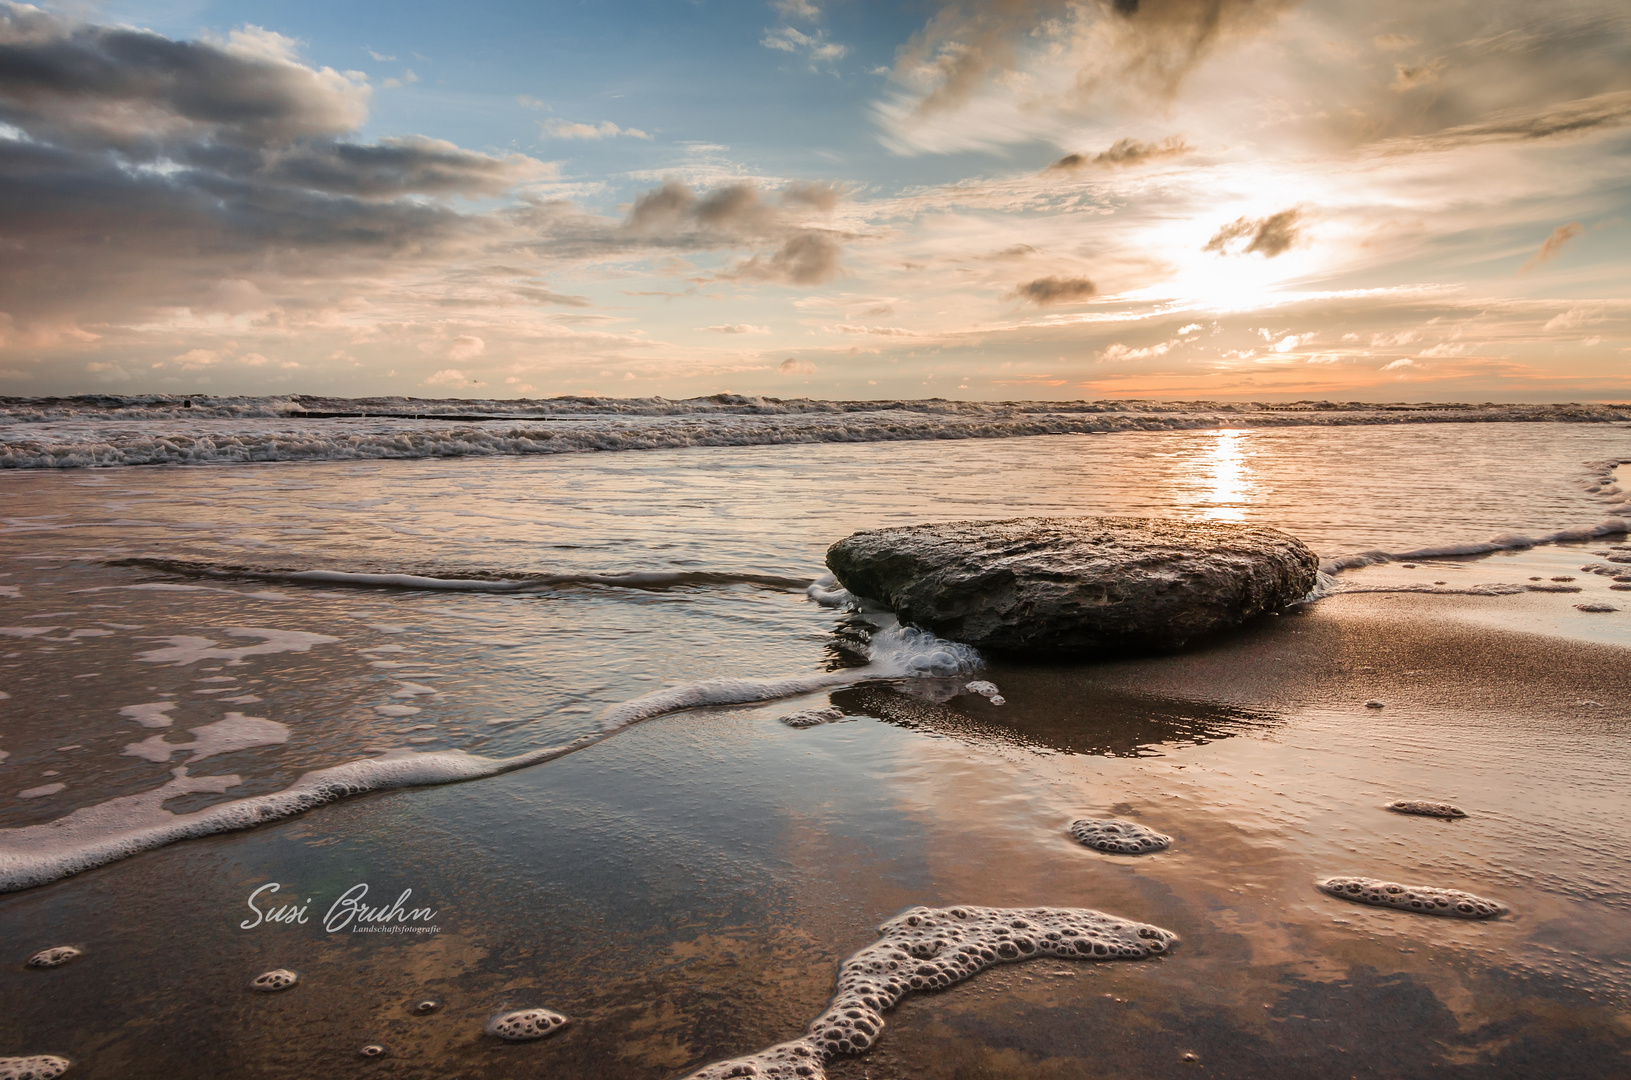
<point>685,891</point>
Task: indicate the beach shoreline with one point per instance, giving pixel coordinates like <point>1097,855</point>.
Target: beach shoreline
<point>685,891</point>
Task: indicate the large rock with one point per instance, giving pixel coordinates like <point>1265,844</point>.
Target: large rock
<point>1075,585</point>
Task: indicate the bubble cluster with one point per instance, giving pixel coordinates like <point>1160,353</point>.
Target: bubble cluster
<point>813,717</point>
<point>1118,837</point>
<point>930,949</point>
<point>1426,809</point>
<point>987,690</point>
<point>1420,898</point>
<point>53,957</point>
<point>273,981</point>
<point>526,1024</point>
<point>40,1067</point>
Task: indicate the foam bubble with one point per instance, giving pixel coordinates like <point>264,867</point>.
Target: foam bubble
<point>150,714</point>
<point>53,957</point>
<point>987,690</point>
<point>372,1050</point>
<point>1614,526</point>
<point>925,949</point>
<point>426,1007</point>
<point>806,718</point>
<point>40,1067</point>
<point>184,649</point>
<point>893,651</point>
<point>275,980</point>
<point>235,732</point>
<point>1118,837</point>
<point>1423,899</point>
<point>526,1025</point>
<point>1426,809</point>
<point>123,826</point>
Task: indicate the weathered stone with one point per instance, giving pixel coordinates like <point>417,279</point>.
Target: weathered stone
<point>1075,585</point>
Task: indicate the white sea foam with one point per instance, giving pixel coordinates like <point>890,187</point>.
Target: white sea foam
<point>184,649</point>
<point>124,826</point>
<point>235,732</point>
<point>149,714</point>
<point>155,429</point>
<point>893,652</point>
<point>928,949</point>
<point>1615,526</point>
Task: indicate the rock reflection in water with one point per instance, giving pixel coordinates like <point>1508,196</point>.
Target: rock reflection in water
<point>1086,720</point>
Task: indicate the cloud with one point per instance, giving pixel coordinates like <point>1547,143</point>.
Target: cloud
<point>797,9</point>
<point>814,46</point>
<point>562,129</point>
<point>821,196</point>
<point>737,328</point>
<point>1399,365</point>
<point>791,366</point>
<point>152,176</point>
<point>75,82</point>
<point>738,214</point>
<point>1056,290</point>
<point>807,258</point>
<point>1270,236</point>
<point>466,347</point>
<point>1123,153</point>
<point>451,377</point>
<point>1146,47</point>
<point>1577,117</point>
<point>1553,244</point>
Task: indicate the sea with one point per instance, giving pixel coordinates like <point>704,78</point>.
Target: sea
<point>573,674</point>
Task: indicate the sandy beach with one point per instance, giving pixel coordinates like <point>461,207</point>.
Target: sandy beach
<point>685,891</point>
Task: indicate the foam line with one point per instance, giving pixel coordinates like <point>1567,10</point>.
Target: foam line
<point>119,828</point>
<point>928,949</point>
<point>106,430</point>
<point>653,580</point>
<point>1614,526</point>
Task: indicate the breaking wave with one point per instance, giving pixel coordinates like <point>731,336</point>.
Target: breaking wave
<point>105,430</point>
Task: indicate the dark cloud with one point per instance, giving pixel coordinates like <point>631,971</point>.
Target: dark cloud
<point>806,258</point>
<point>1122,153</point>
<point>70,80</point>
<point>738,215</point>
<point>1149,45</point>
<point>150,170</point>
<point>1056,290</point>
<point>823,197</point>
<point>1269,236</point>
<point>1554,244</point>
<point>1581,116</point>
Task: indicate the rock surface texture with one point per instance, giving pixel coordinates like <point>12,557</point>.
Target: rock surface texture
<point>1075,585</point>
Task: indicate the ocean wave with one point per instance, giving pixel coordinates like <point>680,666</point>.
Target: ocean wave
<point>509,583</point>
<point>1615,526</point>
<point>160,429</point>
<point>128,825</point>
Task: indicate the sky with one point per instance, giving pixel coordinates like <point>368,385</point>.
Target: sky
<point>1019,199</point>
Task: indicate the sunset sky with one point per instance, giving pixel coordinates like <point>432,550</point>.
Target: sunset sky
<point>1257,199</point>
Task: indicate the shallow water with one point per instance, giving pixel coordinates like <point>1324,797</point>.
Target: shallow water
<point>716,845</point>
